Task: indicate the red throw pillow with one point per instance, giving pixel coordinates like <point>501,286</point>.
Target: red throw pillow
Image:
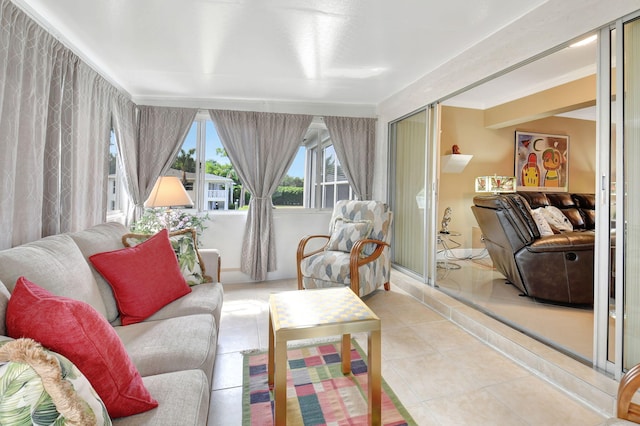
<point>144,278</point>
<point>77,331</point>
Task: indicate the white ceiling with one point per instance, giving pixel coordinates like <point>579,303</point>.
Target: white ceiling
<point>329,51</point>
<point>560,67</point>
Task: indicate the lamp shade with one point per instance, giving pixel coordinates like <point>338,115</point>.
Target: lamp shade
<point>167,192</point>
<point>495,184</point>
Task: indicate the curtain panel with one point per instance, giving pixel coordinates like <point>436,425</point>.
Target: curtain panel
<point>354,140</point>
<point>148,139</point>
<point>125,127</point>
<point>261,146</point>
<point>54,134</point>
<point>77,148</point>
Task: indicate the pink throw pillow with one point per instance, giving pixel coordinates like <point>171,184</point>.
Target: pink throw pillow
<point>77,331</point>
<point>144,278</point>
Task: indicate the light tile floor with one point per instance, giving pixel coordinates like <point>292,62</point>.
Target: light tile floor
<point>567,328</point>
<point>442,374</point>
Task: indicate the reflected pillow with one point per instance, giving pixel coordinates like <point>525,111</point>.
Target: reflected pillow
<point>541,222</point>
<point>556,219</point>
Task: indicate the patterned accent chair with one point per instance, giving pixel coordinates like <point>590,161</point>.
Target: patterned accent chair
<point>354,254</point>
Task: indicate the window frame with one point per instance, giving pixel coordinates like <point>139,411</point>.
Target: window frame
<point>315,182</point>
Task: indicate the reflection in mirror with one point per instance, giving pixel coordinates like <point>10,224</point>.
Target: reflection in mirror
<point>408,200</point>
<point>555,94</point>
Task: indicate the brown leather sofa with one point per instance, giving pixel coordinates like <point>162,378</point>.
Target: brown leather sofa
<point>556,268</point>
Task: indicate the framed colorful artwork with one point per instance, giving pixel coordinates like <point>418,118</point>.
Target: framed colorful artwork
<point>542,162</point>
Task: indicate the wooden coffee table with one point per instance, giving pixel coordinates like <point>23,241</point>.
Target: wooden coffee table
<point>305,314</point>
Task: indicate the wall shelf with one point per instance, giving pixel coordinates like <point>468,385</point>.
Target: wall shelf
<point>454,163</point>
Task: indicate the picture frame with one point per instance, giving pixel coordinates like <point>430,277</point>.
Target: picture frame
<point>541,162</point>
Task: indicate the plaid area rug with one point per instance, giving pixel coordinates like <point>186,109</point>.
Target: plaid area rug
<point>317,391</point>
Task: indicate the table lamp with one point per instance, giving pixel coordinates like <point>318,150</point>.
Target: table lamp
<point>168,192</point>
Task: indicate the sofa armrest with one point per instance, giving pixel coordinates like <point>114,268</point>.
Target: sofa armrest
<point>212,260</point>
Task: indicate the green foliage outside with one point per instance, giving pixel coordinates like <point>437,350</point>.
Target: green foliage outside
<point>288,196</point>
<point>290,193</point>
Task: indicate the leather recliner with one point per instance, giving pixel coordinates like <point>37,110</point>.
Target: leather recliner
<point>556,268</point>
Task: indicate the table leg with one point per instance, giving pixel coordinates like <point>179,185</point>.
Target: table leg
<point>375,377</point>
<point>280,385</point>
<point>346,353</point>
<point>270,363</point>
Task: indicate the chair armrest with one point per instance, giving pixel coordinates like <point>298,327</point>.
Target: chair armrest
<point>300,254</point>
<point>211,259</point>
<point>628,387</point>
<point>356,261</point>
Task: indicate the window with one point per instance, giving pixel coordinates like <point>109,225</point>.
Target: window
<point>326,182</point>
<point>209,183</point>
<point>315,178</point>
<point>115,184</point>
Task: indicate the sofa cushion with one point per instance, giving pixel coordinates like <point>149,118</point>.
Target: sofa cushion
<point>99,239</point>
<point>144,278</point>
<point>183,398</point>
<point>203,299</point>
<point>78,332</point>
<point>171,344</point>
<point>57,264</point>
<point>185,246</point>
<point>43,387</point>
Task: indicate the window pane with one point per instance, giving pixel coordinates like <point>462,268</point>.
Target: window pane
<point>327,199</point>
<point>330,160</point>
<point>184,165</point>
<point>112,179</point>
<point>290,192</point>
<point>219,174</point>
<point>340,176</point>
<point>312,177</point>
<point>343,191</point>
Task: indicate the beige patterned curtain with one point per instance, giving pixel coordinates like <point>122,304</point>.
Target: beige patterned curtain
<point>76,154</point>
<point>53,116</point>
<point>261,147</point>
<point>148,139</point>
<point>354,140</point>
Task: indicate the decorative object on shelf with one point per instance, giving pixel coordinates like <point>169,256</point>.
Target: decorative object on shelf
<point>495,184</point>
<point>454,162</point>
<point>541,162</point>
<point>446,218</point>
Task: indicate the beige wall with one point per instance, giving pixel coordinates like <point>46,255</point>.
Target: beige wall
<point>493,153</point>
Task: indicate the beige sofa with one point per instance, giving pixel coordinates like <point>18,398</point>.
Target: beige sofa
<point>174,350</point>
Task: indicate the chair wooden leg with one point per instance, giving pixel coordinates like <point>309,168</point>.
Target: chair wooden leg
<point>387,286</point>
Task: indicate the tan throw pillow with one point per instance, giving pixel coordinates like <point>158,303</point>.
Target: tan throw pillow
<point>346,232</point>
<point>185,246</point>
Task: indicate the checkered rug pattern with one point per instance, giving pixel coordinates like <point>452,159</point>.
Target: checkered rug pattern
<point>317,391</point>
